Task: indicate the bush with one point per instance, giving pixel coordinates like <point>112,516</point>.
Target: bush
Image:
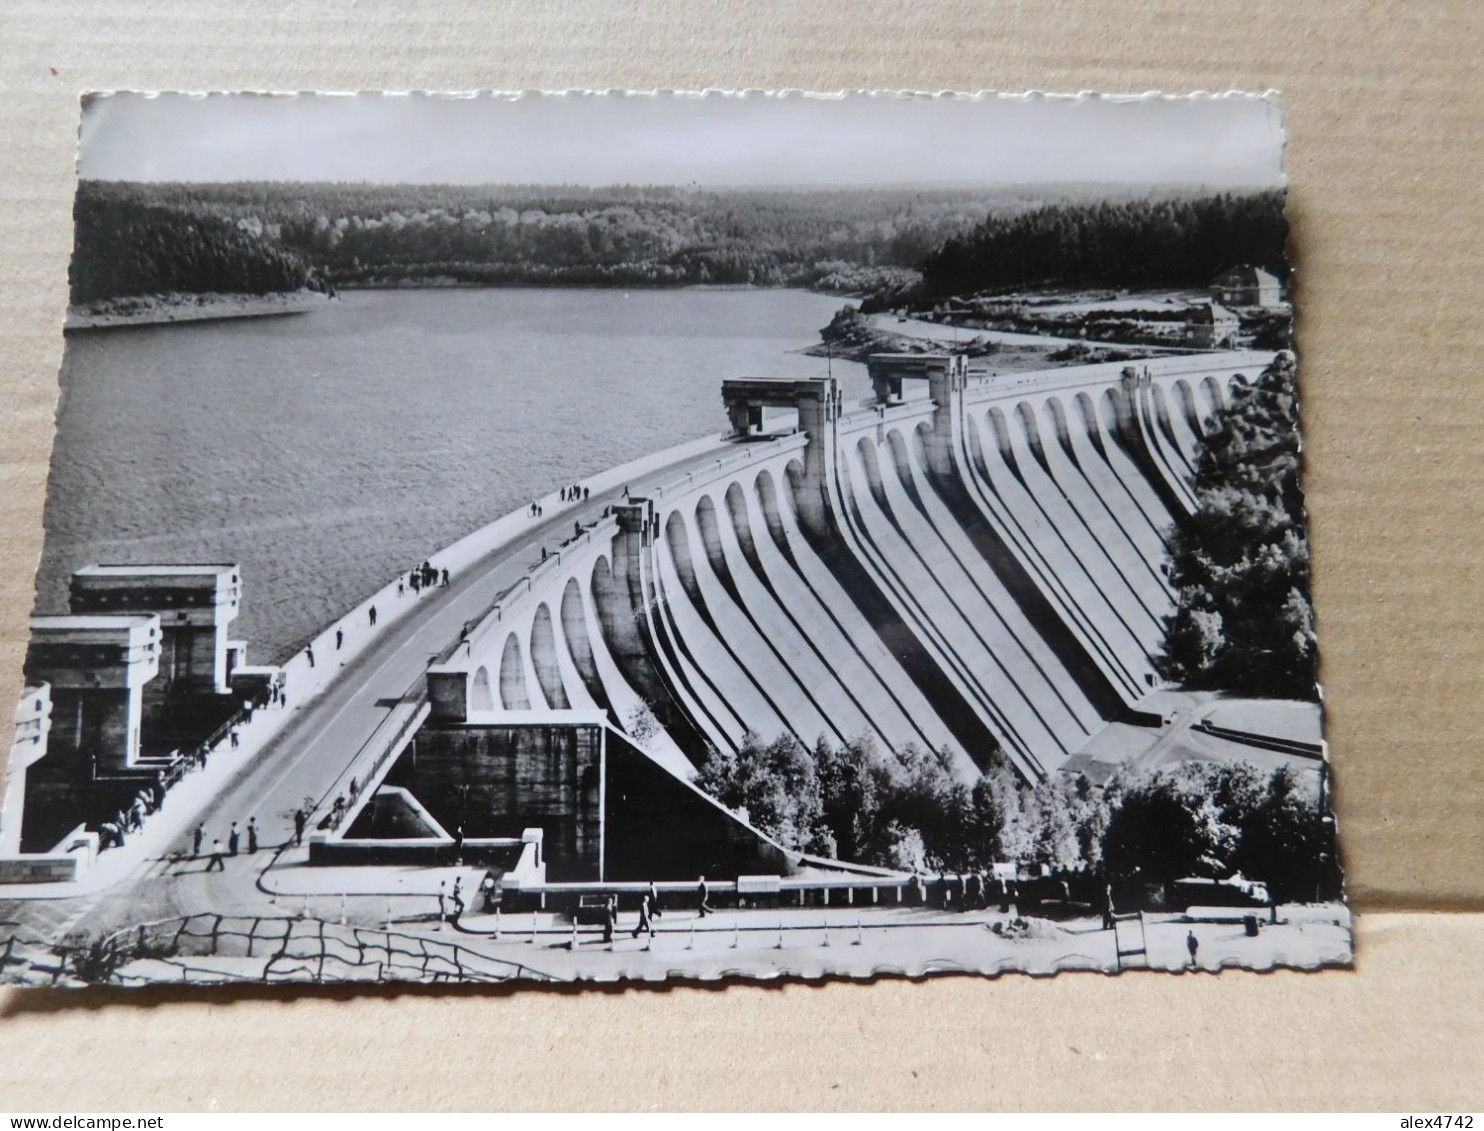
<point>848,327</point>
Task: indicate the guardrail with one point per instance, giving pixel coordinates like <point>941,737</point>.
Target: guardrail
<point>494,613</point>
<point>863,419</point>
<point>522,590</point>
<point>725,465</point>
<point>992,387</point>
<point>390,735</point>
<point>155,777</point>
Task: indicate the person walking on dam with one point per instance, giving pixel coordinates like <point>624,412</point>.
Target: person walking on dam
<point>339,638</point>
<point>703,892</point>
<point>216,864</point>
<point>309,654</point>
<point>372,616</point>
<point>646,919</point>
<point>301,819</point>
<point>196,838</point>
<point>252,834</point>
<point>1193,945</point>
<point>234,838</point>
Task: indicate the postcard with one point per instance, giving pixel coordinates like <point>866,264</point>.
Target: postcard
<point>591,537</point>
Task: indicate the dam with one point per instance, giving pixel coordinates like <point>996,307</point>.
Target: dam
<point>966,562</point>
<point>972,563</point>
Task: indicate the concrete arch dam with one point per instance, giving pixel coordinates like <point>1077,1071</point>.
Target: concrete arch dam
<point>977,564</point>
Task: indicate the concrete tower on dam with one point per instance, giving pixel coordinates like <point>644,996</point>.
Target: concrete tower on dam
<point>969,561</point>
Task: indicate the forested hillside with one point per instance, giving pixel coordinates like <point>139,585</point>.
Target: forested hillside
<point>138,238</point>
<point>135,238</point>
<point>125,243</point>
<point>1158,243</point>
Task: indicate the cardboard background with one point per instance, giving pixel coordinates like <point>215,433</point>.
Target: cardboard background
<point>1384,113</point>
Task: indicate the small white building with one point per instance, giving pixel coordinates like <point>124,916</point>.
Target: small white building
<point>1212,326</point>
<point>1247,286</point>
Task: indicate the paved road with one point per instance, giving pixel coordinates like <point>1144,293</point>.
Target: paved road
<point>314,747</point>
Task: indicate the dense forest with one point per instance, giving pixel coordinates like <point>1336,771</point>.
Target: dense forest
<point>127,243</point>
<point>1243,620</point>
<point>1179,242</point>
<point>135,238</point>
<point>910,812</point>
<point>138,238</point>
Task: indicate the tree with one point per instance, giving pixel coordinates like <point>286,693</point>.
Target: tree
<point>774,786</point>
<point>719,775</point>
<point>1289,841</point>
<point>1243,621</point>
<point>1168,826</point>
<point>911,812</point>
<point>1213,819</point>
<point>904,849</point>
<point>997,820</point>
<point>1052,816</point>
<point>852,780</point>
<point>127,243</point>
<point>847,327</point>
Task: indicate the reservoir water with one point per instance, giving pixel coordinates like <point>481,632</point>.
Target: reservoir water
<point>326,452</point>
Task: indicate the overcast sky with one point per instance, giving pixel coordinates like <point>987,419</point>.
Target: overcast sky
<point>715,140</point>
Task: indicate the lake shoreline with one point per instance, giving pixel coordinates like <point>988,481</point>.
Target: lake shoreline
<point>448,283</point>
<point>158,310</point>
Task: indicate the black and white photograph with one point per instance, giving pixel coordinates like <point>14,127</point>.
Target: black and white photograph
<point>602,537</point>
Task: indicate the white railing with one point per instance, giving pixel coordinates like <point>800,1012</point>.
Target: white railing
<point>518,594</point>
<point>725,465</point>
<point>864,419</point>
<point>987,387</point>
<point>513,600</point>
